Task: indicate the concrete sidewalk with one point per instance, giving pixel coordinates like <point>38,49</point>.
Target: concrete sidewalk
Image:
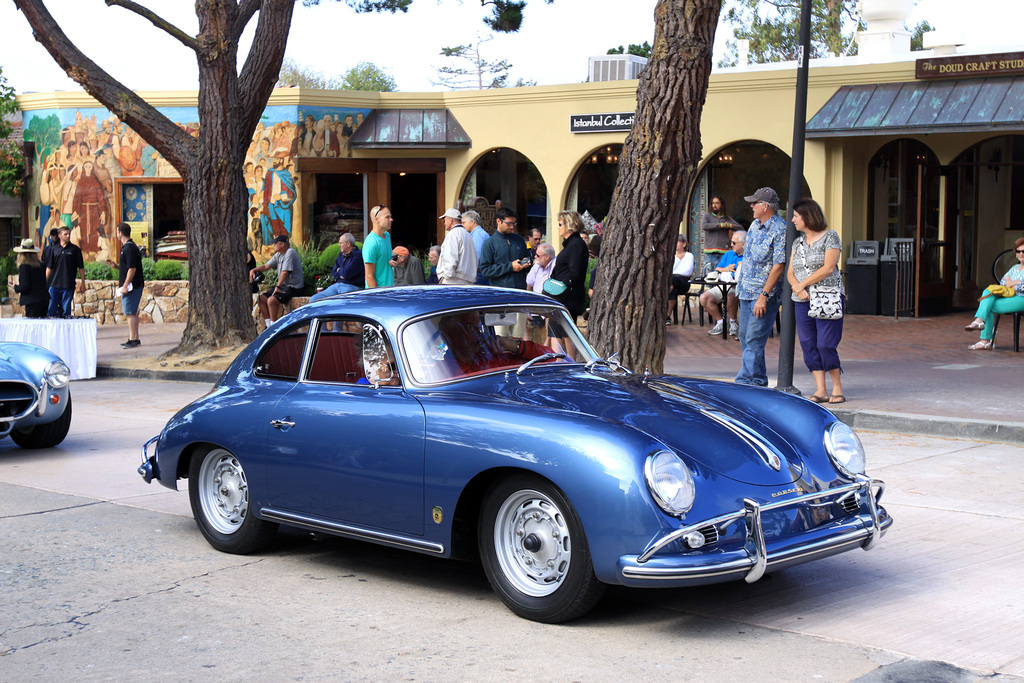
<point>912,375</point>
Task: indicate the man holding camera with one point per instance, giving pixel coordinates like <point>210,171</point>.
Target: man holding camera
<point>505,258</point>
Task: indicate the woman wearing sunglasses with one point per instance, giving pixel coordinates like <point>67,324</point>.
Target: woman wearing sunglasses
<point>991,304</point>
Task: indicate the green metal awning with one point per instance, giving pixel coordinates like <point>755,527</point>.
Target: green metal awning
<point>410,129</point>
<point>951,106</point>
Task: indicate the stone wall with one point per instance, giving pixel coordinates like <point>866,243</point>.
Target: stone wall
<point>163,301</point>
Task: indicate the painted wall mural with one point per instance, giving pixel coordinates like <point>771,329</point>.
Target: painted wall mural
<point>86,155</point>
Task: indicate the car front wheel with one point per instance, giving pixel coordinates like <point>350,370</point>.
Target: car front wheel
<point>45,435</point>
<point>535,553</point>
<point>219,493</point>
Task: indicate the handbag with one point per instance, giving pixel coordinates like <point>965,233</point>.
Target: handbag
<point>998,290</point>
<point>554,287</point>
<point>826,303</point>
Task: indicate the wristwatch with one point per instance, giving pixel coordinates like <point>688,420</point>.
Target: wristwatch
<point>765,294</point>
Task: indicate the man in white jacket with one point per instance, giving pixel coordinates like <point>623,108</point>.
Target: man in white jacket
<point>457,263</point>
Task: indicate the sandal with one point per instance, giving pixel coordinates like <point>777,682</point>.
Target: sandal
<point>837,398</point>
<point>975,325</point>
<point>817,399</point>
<point>983,345</point>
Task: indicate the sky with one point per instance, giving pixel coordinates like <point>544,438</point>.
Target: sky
<point>552,47</point>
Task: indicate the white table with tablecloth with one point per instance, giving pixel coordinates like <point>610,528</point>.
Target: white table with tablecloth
<point>73,340</point>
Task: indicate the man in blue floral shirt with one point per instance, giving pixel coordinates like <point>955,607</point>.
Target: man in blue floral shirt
<point>760,283</point>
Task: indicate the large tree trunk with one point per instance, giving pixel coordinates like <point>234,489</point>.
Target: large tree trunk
<point>657,167</point>
<point>230,104</point>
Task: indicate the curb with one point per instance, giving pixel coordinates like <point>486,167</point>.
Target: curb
<point>197,376</point>
<point>930,425</point>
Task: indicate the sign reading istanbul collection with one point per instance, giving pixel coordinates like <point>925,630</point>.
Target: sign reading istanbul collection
<point>1008,64</point>
<point>600,123</point>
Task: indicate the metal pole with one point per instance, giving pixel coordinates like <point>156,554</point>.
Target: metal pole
<point>787,336</point>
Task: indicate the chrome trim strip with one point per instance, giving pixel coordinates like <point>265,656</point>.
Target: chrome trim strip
<point>350,531</point>
<point>863,483</point>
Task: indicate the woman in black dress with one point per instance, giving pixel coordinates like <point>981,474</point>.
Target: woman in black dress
<point>31,280</point>
<point>571,270</point>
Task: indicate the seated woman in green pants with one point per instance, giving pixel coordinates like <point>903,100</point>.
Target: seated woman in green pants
<point>991,305</point>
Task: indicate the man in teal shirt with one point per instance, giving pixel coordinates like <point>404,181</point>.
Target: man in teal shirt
<point>377,249</point>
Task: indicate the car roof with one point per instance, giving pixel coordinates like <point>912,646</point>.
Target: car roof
<point>394,305</point>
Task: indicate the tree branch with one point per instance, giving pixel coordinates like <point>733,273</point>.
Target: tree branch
<point>263,64</point>
<point>245,12</point>
<point>166,137</point>
<point>158,21</point>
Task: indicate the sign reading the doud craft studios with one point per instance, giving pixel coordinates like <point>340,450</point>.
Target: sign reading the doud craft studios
<point>1007,64</point>
<point>600,123</point>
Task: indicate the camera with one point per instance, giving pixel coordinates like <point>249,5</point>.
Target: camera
<point>524,261</point>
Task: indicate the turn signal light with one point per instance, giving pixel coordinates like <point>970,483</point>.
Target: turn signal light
<point>54,399</point>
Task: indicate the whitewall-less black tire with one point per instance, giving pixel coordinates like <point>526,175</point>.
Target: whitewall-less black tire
<point>219,493</point>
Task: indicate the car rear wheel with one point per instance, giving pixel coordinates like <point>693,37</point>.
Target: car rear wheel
<point>219,493</point>
<point>535,553</point>
<point>45,435</point>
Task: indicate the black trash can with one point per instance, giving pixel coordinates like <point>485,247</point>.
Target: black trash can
<point>862,278</point>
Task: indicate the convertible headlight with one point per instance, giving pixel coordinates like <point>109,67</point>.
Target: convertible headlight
<point>56,374</point>
<point>670,483</point>
<point>845,449</point>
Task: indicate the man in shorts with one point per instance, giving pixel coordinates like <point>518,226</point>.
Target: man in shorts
<point>289,279</point>
<point>129,283</point>
<point>711,299</point>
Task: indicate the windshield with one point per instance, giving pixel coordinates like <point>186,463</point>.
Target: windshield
<point>472,342</point>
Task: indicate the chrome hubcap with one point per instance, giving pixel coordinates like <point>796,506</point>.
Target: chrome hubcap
<point>532,543</point>
<point>223,491</point>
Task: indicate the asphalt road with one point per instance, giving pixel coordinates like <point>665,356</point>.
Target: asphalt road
<point>105,577</point>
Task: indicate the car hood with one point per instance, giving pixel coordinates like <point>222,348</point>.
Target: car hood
<point>13,367</point>
<point>730,430</point>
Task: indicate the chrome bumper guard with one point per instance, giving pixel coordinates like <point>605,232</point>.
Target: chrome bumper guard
<point>751,514</point>
<point>148,468</point>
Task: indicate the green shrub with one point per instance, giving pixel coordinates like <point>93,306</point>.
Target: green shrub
<point>148,269</point>
<point>311,268</point>
<point>184,270</point>
<point>8,266</point>
<point>167,269</point>
<point>98,270</point>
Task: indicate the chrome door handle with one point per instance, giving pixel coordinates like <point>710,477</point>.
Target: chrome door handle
<point>278,424</point>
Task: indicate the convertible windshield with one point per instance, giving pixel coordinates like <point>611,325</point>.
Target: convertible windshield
<point>471,342</point>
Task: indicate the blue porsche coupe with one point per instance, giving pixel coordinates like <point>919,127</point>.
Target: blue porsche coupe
<point>477,422</point>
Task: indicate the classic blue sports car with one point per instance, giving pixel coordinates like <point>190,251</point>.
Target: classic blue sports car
<point>478,422</point>
<point>35,401</point>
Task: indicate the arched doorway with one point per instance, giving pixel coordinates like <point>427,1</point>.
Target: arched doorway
<point>506,175</point>
<point>733,172</point>
<point>909,203</point>
<point>594,182</point>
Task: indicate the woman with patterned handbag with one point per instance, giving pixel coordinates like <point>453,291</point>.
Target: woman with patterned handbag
<point>819,298</point>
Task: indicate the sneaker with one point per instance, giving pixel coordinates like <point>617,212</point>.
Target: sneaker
<point>669,321</point>
<point>131,344</point>
<point>734,328</point>
<point>717,329</point>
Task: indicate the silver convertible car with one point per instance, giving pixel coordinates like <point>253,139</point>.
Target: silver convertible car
<point>35,401</point>
<point>477,422</point>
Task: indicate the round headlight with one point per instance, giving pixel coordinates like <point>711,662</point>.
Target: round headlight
<point>56,374</point>
<point>845,449</point>
<point>670,483</point>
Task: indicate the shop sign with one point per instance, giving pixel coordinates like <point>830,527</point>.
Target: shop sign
<point>600,123</point>
<point>1007,64</point>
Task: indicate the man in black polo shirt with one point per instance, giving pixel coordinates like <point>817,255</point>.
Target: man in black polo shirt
<point>129,283</point>
<point>62,261</point>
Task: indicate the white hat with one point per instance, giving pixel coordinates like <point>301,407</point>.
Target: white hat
<point>451,213</point>
<point>27,246</point>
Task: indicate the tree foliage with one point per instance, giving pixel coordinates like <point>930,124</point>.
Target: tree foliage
<point>638,50</point>
<point>917,37</point>
<point>367,77</point>
<point>294,74</point>
<point>468,70</point>
<point>12,163</point>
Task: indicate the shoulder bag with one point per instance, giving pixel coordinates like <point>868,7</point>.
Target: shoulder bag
<point>826,303</point>
<point>553,287</point>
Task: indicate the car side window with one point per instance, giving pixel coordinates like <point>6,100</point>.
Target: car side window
<point>337,352</point>
<point>282,359</point>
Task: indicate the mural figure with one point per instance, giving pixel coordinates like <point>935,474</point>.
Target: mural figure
<point>278,196</point>
<point>89,208</point>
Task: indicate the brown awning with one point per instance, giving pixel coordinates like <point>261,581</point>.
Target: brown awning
<point>952,106</point>
<point>410,129</point>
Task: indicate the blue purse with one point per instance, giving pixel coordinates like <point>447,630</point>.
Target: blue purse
<point>554,287</point>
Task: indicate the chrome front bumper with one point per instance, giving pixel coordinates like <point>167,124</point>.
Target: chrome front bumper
<point>712,564</point>
<point>149,468</point>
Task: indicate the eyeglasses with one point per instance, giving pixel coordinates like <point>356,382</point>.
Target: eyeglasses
<point>375,211</point>
<point>1018,251</point>
<point>510,223</point>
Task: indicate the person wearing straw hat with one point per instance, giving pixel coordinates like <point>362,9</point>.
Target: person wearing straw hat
<point>31,280</point>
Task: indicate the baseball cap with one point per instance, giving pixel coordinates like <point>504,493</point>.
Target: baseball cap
<point>281,238</point>
<point>451,213</point>
<point>765,194</point>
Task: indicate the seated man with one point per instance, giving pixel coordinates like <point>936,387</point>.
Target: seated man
<point>476,348</point>
<point>711,299</point>
<point>348,272</point>
<point>289,279</point>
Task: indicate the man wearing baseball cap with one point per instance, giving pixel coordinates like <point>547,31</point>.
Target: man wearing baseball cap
<point>289,279</point>
<point>457,263</point>
<point>759,284</point>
